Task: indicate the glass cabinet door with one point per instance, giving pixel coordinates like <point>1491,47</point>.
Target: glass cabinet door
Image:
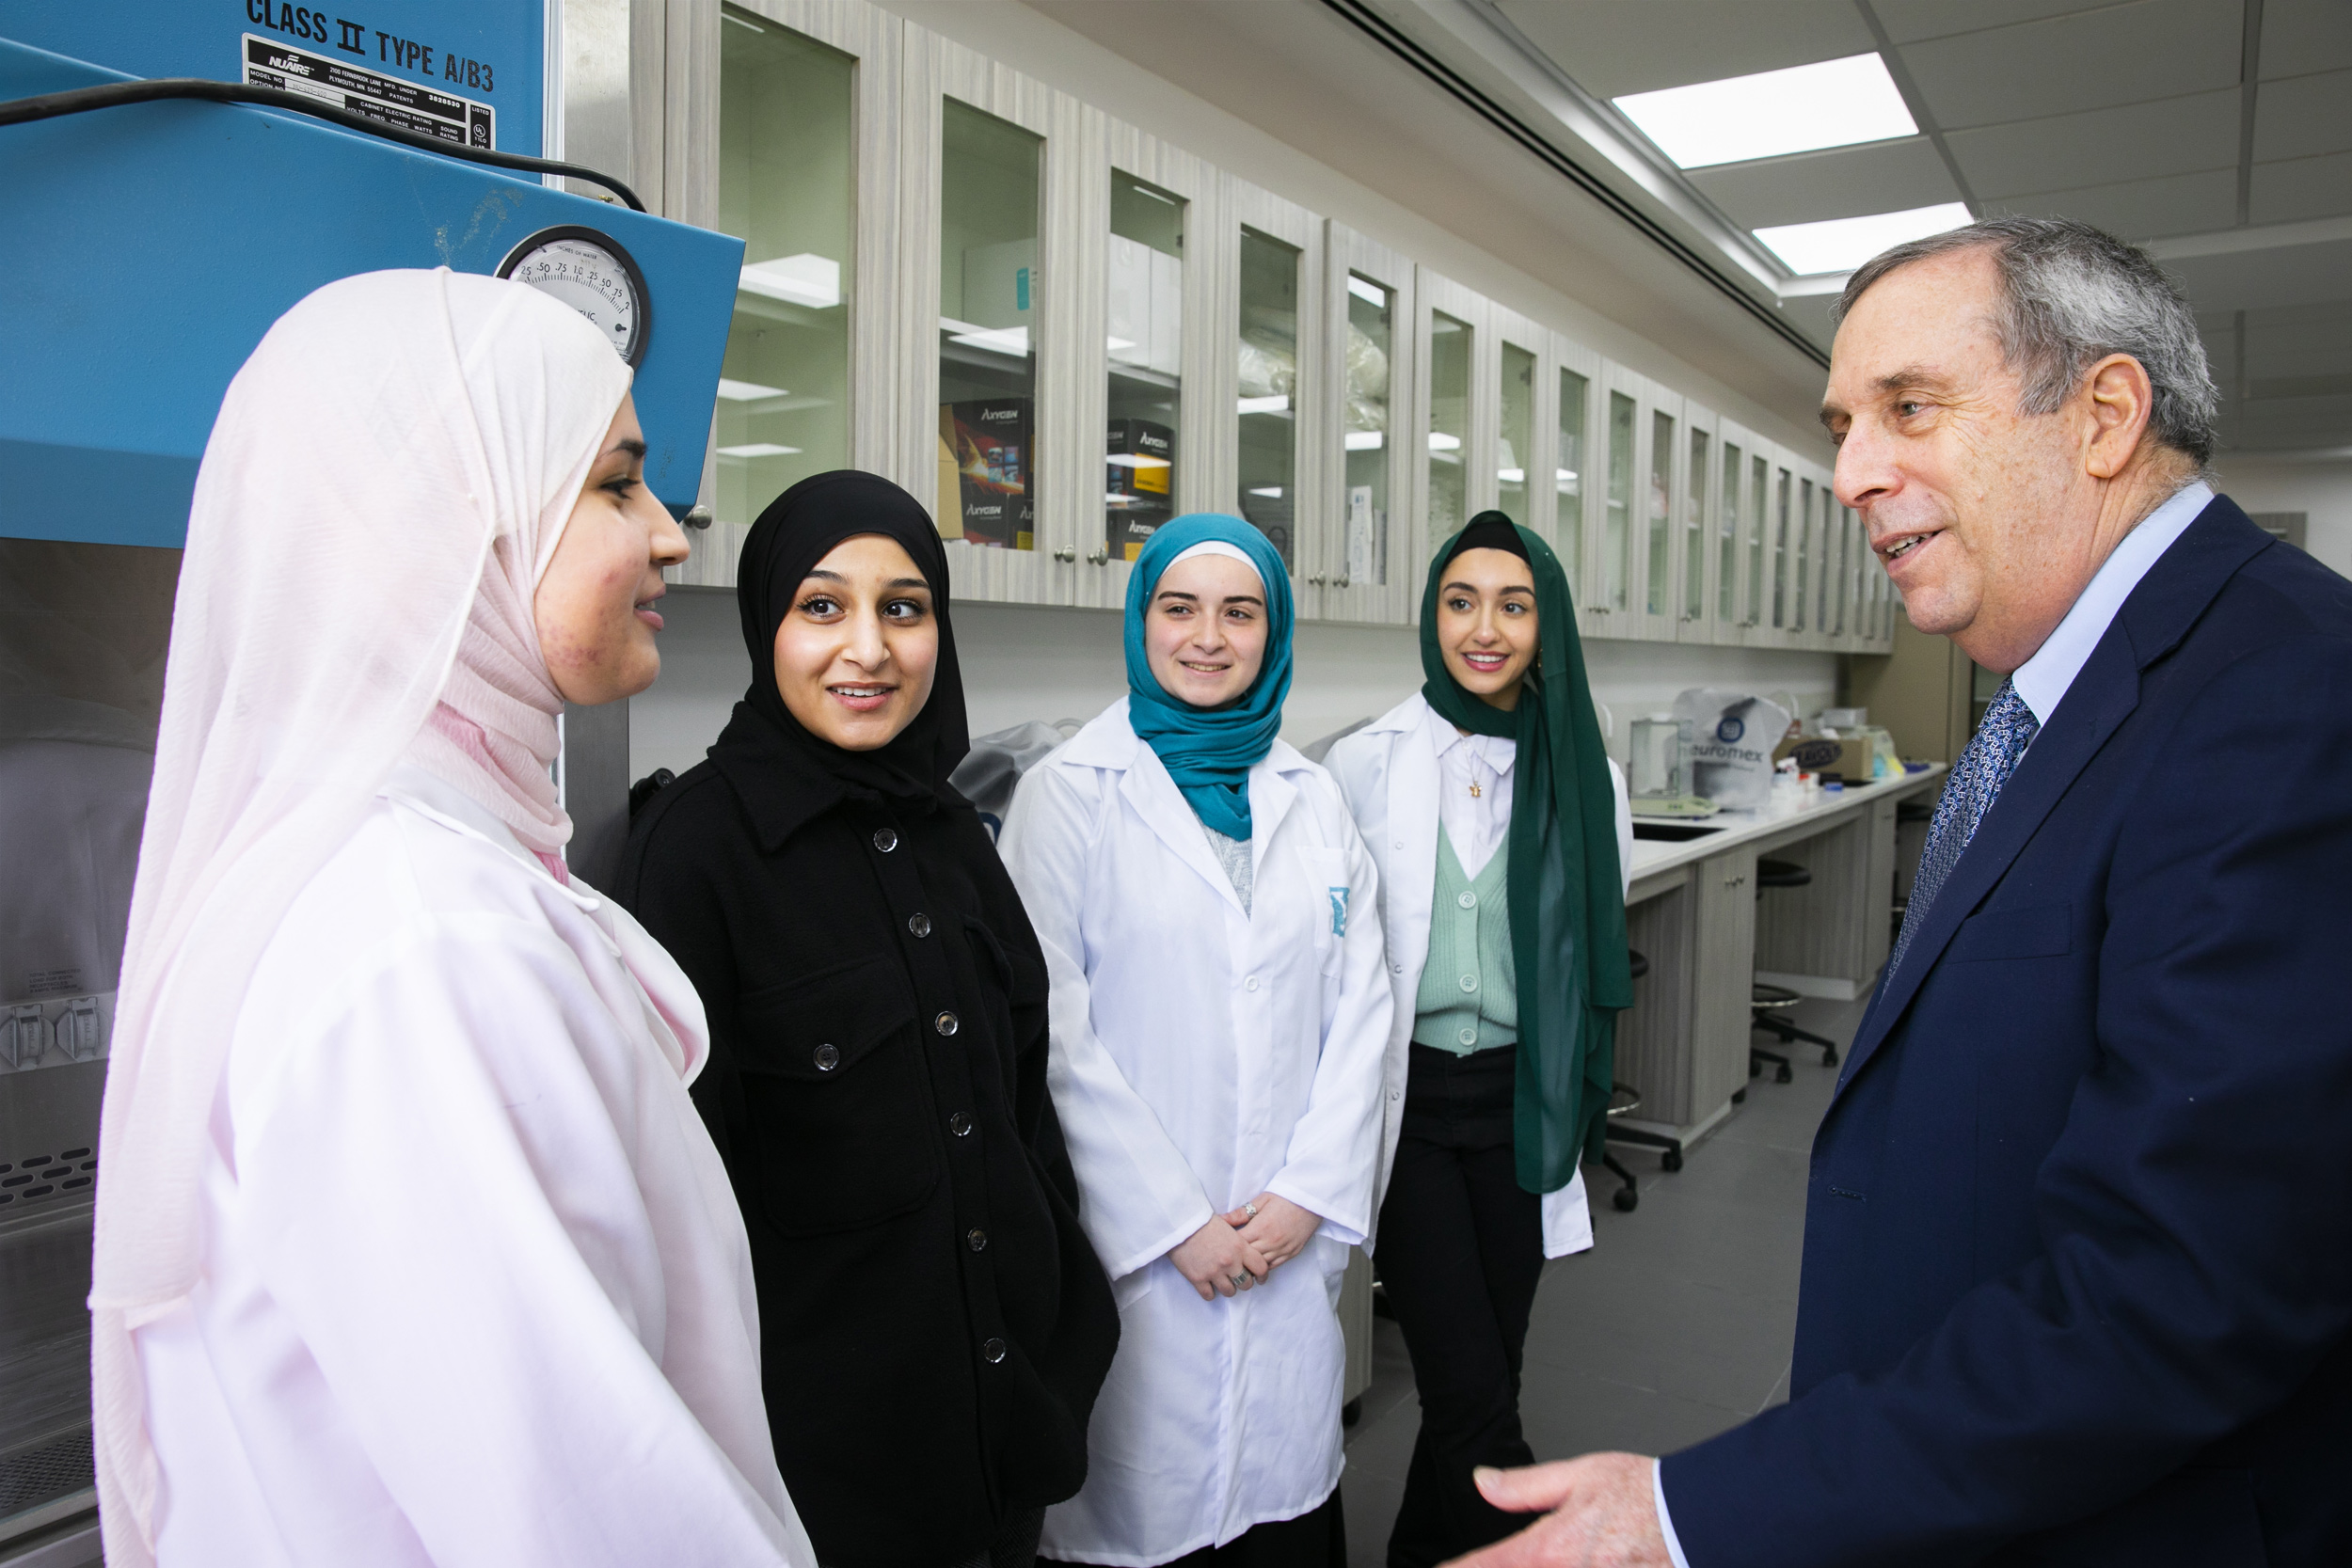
<point>1450,342</point>
<point>1144,345</point>
<point>787,187</point>
<point>1760,532</point>
<point>1800,578</point>
<point>1727,516</point>
<point>1515,441</point>
<point>1694,528</point>
<point>1617,529</point>
<point>1784,499</point>
<point>1360,416</point>
<point>1657,518</point>
<point>989,293</point>
<point>1369,358</point>
<point>1570,462</point>
<point>1267,411</point>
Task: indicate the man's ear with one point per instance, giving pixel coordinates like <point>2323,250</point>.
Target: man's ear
<point>2120,400</point>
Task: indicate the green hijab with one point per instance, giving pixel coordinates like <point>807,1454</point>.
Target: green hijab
<point>1567,893</point>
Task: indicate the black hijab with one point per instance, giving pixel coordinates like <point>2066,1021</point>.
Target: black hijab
<point>762,740</point>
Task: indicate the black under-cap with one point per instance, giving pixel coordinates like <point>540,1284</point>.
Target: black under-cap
<point>1490,530</point>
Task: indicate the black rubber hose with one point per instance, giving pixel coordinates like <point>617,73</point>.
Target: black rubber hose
<point>20,111</point>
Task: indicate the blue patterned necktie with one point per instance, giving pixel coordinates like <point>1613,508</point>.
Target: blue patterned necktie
<point>1992,757</point>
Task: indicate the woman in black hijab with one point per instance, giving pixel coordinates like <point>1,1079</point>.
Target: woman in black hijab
<point>934,1323</point>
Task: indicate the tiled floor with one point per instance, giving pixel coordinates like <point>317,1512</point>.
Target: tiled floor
<point>1674,1327</point>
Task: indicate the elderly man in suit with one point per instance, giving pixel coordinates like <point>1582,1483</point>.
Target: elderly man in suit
<point>2077,1278</point>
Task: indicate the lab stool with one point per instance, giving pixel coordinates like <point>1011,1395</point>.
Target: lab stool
<point>1624,1099</point>
<point>1766,1003</point>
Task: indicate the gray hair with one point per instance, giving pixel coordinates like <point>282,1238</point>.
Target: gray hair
<point>2070,295</point>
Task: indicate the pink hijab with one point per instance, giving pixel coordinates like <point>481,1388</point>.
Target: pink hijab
<point>387,482</point>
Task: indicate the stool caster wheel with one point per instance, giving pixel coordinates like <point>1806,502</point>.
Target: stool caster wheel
<point>1671,1160</point>
<point>1627,1199</point>
<point>1829,1056</point>
<point>1784,1075</point>
<point>1739,1097</point>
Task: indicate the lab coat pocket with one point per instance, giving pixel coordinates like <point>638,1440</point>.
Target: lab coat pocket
<point>834,1086</point>
<point>1331,898</point>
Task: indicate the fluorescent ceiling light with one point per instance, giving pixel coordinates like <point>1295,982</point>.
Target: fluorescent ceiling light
<point>804,279</point>
<point>1371,293</point>
<point>1841,245</point>
<point>1364,441</point>
<point>1565,476</point>
<point>1122,460</point>
<point>759,448</point>
<point>1772,112</point>
<point>1512,476</point>
<point>1440,441</point>
<point>1275,491</point>
<point>1115,343</point>
<point>1278,405</point>
<point>746,391</point>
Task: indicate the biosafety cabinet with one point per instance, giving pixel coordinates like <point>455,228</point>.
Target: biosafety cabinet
<point>1058,330</point>
<point>151,237</point>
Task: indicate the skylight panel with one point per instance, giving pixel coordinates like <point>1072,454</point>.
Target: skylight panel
<point>1841,245</point>
<point>1772,112</point>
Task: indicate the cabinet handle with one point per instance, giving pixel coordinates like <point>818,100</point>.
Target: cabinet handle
<point>1340,582</point>
<point>1099,558</point>
<point>697,517</point>
<point>1065,557</point>
<point>1315,582</point>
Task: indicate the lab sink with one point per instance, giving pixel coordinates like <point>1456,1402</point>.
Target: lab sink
<point>1674,832</point>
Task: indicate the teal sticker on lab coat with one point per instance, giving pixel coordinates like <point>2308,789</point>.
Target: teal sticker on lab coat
<point>1339,912</point>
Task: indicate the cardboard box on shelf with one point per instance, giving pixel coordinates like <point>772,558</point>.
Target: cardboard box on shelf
<point>948,500</point>
<point>1849,760</point>
<point>1137,497</point>
<point>989,440</point>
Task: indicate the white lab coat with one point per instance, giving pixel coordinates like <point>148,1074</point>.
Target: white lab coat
<point>1201,1057</point>
<point>474,1288</point>
<point>1389,773</point>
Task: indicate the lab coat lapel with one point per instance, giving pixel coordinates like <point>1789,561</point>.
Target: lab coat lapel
<point>1413,842</point>
<point>1148,788</point>
<point>1271,796</point>
<point>2152,621</point>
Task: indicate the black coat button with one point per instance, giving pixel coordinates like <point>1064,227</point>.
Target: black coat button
<point>946,1024</point>
<point>827,1057</point>
<point>885,839</point>
<point>992,1352</point>
<point>961,1125</point>
<point>920,924</point>
<point>976,1239</point>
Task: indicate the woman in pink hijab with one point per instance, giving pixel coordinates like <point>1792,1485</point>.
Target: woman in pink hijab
<point>410,1247</point>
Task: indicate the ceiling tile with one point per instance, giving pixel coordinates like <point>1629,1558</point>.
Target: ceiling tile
<point>2140,209</point>
<point>1910,21</point>
<point>2298,343</point>
<point>2302,188</point>
<point>2300,36</point>
<point>2279,277</point>
<point>2090,60</point>
<point>2173,136</point>
<point>2303,115</point>
<point>1615,47</point>
<point>1841,183</point>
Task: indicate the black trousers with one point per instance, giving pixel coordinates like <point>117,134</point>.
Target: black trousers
<point>1461,1248</point>
<point>1315,1539</point>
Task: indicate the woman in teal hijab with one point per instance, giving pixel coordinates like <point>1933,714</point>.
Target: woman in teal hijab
<point>1220,1021</point>
<point>1503,832</point>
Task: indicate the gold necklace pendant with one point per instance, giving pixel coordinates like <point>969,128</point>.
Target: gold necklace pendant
<point>1475,791</point>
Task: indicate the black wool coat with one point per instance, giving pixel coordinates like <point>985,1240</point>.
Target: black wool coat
<point>935,1324</point>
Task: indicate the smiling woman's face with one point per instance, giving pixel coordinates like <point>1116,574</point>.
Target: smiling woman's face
<point>1486,623</point>
<point>856,652</point>
<point>1205,633</point>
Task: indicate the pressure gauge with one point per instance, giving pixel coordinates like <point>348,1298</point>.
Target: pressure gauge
<point>589,272</point>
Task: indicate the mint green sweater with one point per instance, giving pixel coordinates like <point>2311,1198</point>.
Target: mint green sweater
<point>1469,999</point>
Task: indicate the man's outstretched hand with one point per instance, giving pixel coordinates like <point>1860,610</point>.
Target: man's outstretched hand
<point>1600,1512</point>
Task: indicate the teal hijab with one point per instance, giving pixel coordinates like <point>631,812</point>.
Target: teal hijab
<point>1208,751</point>
<point>1567,893</point>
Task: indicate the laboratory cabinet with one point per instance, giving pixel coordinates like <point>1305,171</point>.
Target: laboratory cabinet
<point>1058,331</point>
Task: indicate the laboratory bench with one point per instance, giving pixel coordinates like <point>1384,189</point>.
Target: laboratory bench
<point>1694,910</point>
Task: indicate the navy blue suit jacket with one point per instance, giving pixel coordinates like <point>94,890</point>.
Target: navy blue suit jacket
<point>2078,1241</point>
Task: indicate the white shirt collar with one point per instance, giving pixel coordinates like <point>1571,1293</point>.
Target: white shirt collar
<point>1496,752</point>
<point>2043,680</point>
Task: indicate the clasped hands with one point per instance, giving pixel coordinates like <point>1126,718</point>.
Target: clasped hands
<point>1238,1251</point>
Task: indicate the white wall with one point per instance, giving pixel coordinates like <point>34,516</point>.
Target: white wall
<point>1023,663</point>
<point>2320,486</point>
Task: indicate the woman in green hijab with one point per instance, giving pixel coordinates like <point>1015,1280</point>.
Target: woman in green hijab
<point>1502,836</point>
